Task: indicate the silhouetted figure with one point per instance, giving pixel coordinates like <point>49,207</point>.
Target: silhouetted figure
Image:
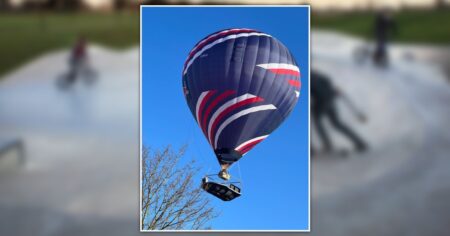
<point>323,100</point>
<point>78,65</point>
<point>78,57</point>
<point>384,26</point>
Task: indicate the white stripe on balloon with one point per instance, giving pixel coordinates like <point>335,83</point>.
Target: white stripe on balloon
<point>238,115</point>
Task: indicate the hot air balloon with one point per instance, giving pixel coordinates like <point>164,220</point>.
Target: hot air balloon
<point>240,85</point>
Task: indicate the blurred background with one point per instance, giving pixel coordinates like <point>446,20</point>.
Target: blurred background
<point>69,116</point>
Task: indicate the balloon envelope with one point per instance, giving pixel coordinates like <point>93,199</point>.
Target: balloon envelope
<point>240,85</point>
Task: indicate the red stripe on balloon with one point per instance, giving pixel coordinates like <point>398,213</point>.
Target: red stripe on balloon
<point>295,83</point>
<point>212,105</point>
<point>228,110</point>
<point>285,72</point>
<point>201,45</point>
<point>202,105</point>
<point>249,146</point>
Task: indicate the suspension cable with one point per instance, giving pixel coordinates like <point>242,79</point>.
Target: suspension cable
<point>240,176</point>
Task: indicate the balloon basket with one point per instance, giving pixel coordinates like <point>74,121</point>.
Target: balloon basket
<point>225,190</point>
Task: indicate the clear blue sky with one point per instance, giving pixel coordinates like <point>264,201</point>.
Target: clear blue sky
<point>275,172</point>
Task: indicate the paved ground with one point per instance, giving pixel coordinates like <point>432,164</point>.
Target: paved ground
<point>81,175</point>
<point>400,186</point>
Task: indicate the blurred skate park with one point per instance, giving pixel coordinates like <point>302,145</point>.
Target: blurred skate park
<point>69,116</point>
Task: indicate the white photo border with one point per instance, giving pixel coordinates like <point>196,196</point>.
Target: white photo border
<point>140,120</point>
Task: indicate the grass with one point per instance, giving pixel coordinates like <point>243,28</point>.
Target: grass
<point>414,26</point>
<point>26,36</point>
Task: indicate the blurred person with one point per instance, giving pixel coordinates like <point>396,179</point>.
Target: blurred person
<point>384,26</point>
<point>323,105</point>
<point>78,65</point>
